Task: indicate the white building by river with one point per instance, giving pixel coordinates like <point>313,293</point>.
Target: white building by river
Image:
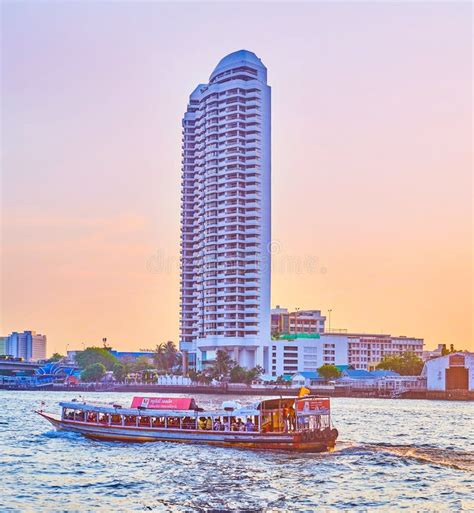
<point>451,372</point>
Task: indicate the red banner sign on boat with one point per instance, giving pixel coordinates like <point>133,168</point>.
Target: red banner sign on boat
<point>163,403</point>
<point>314,406</point>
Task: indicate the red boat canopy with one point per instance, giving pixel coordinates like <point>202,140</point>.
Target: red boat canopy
<point>164,403</point>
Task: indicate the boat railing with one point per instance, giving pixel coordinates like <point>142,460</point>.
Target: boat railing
<point>183,419</point>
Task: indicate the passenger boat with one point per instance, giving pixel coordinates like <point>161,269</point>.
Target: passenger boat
<point>294,424</point>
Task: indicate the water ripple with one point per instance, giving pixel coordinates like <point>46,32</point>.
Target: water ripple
<point>418,461</point>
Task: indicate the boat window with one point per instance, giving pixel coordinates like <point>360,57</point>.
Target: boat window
<point>158,422</point>
<point>173,422</point>
<point>188,423</point>
<point>91,416</point>
<point>116,419</point>
<point>228,423</point>
<point>103,418</point>
<point>144,421</point>
<point>130,420</point>
<point>68,414</point>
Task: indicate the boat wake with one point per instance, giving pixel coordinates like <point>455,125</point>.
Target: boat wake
<point>460,460</point>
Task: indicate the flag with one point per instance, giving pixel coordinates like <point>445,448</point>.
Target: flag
<point>304,391</point>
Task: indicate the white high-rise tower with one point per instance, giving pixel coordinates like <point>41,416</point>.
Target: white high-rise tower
<point>226,214</point>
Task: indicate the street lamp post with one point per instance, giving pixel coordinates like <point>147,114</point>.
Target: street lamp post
<point>329,320</point>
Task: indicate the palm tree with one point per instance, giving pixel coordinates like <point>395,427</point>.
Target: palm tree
<point>166,356</point>
<point>222,365</point>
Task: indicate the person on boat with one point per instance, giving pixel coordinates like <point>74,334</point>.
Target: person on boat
<point>267,425</point>
<point>202,423</point>
<point>217,424</point>
<point>249,426</point>
<point>226,424</point>
<point>286,419</point>
<point>292,418</point>
<point>209,424</point>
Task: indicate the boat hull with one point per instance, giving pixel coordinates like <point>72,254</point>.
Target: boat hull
<point>269,441</point>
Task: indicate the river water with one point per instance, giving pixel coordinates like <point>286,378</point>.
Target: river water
<point>393,455</point>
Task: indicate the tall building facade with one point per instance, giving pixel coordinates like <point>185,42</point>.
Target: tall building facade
<point>226,215</point>
<point>28,345</point>
<point>3,345</point>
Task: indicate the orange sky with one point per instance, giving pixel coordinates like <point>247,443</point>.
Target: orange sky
<point>372,163</point>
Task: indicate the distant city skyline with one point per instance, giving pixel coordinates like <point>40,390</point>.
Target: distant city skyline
<point>371,163</point>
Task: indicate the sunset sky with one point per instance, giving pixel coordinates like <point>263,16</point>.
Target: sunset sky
<point>371,176</point>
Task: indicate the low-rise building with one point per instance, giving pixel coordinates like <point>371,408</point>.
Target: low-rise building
<point>366,351</point>
<point>299,321</point>
<point>454,371</point>
<point>306,353</point>
<point>130,356</point>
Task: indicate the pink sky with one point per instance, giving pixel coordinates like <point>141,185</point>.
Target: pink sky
<point>372,162</point>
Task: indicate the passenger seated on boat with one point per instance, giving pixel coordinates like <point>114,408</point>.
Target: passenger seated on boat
<point>188,423</point>
<point>226,424</point>
<point>144,421</point>
<point>267,426</point>
<point>237,426</point>
<point>202,423</point>
<point>116,419</point>
<point>131,420</point>
<point>173,422</point>
<point>249,426</point>
<point>217,425</point>
<point>209,424</point>
<point>92,417</point>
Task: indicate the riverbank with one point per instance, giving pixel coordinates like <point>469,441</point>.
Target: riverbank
<point>453,395</point>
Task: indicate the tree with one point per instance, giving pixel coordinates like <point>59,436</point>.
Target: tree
<point>253,374</point>
<point>120,371</point>
<point>406,364</point>
<point>280,380</point>
<point>452,349</point>
<point>329,372</point>
<point>222,366</point>
<point>238,374</point>
<point>127,362</point>
<point>56,357</point>
<point>93,373</point>
<point>93,355</point>
<point>199,377</point>
<point>166,356</point>
<point>142,363</point>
